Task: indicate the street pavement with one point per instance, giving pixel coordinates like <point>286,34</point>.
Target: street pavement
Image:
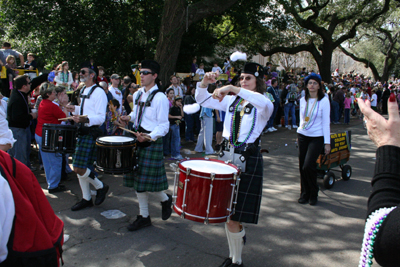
<point>288,234</point>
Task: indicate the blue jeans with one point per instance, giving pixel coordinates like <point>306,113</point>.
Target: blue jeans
<point>270,122</point>
<point>335,111</point>
<point>290,107</point>
<point>189,133</point>
<point>52,163</point>
<point>167,143</point>
<point>21,149</point>
<point>346,115</point>
<point>175,140</point>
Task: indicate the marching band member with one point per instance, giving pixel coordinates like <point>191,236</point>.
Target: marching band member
<point>314,136</point>
<point>247,112</point>
<point>150,122</point>
<point>93,103</point>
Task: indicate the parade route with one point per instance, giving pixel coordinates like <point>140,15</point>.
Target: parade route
<point>288,234</point>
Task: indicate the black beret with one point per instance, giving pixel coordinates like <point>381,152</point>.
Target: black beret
<point>255,69</point>
<point>151,65</point>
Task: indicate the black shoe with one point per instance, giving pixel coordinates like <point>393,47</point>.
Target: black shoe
<point>101,194</point>
<point>139,223</point>
<point>302,200</point>
<point>59,188</point>
<point>166,208</point>
<point>227,262</point>
<point>82,204</point>
<point>313,201</point>
<point>236,265</point>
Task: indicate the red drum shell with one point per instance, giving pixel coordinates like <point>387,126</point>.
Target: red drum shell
<point>198,191</point>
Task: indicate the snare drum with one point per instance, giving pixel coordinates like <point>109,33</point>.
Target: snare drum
<point>57,138</point>
<point>116,154</point>
<point>206,190</point>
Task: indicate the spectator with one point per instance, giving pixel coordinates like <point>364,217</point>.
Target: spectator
<point>194,66</point>
<point>374,99</point>
<point>19,118</point>
<point>206,132</point>
<point>288,99</point>
<point>4,53</point>
<point>49,113</point>
<point>175,117</point>
<point>189,118</point>
<point>11,72</point>
<point>167,137</point>
<point>114,89</point>
<point>64,77</point>
<point>200,71</point>
<point>273,90</point>
<point>337,105</point>
<point>101,77</point>
<point>176,86</point>
<point>216,68</point>
<point>347,106</point>
<point>112,118</point>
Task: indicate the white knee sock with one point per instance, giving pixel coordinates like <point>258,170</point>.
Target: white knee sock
<point>229,241</point>
<point>143,204</point>
<point>85,187</point>
<point>237,244</point>
<point>96,183</point>
<point>161,195</point>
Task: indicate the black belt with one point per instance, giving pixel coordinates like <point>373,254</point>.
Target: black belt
<point>240,150</point>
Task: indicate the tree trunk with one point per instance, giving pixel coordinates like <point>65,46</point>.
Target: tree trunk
<point>325,65</point>
<point>170,37</point>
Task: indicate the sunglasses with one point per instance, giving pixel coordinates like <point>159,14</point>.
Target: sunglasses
<point>146,72</point>
<point>247,78</point>
<point>83,72</point>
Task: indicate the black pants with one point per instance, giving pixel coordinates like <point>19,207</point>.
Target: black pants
<point>309,150</point>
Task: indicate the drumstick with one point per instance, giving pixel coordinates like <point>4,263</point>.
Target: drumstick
<point>136,133</point>
<point>70,118</point>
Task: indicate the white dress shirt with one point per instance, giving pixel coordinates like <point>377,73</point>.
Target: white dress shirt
<point>94,107</point>
<point>6,135</point>
<point>7,211</point>
<point>117,94</point>
<point>155,117</point>
<point>263,105</point>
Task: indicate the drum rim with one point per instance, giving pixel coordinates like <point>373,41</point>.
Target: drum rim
<point>116,144</point>
<point>179,211</point>
<point>58,126</point>
<point>206,175</point>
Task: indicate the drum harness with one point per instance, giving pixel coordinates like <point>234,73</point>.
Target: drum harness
<point>83,130</point>
<point>142,106</point>
<point>238,155</point>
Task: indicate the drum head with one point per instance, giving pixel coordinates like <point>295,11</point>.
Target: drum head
<point>116,140</point>
<point>207,166</point>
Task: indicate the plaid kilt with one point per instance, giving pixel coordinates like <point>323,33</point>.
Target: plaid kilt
<point>85,152</point>
<point>151,175</point>
<point>250,191</point>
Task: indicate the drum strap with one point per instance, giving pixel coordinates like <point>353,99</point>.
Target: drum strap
<point>86,96</point>
<point>141,106</point>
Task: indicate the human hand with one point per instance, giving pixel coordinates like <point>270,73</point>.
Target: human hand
<point>381,131</point>
<point>5,147</point>
<point>327,149</point>
<point>70,108</point>
<point>34,115</point>
<point>125,118</point>
<point>79,119</point>
<point>209,77</point>
<point>220,93</point>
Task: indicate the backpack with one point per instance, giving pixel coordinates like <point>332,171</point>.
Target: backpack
<point>36,237</point>
<point>292,94</point>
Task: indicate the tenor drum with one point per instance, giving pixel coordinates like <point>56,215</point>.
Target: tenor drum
<point>57,138</point>
<point>205,190</point>
<point>116,154</point>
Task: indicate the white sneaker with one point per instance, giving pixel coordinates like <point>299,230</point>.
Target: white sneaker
<point>288,127</point>
<point>279,125</point>
<point>295,126</point>
<point>274,129</point>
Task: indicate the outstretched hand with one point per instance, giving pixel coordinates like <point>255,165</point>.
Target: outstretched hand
<point>381,131</point>
<point>209,77</point>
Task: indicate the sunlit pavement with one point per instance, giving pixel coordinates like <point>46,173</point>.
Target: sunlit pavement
<point>288,234</point>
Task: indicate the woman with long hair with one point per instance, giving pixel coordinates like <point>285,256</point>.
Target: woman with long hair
<point>247,112</point>
<point>64,77</point>
<point>313,136</point>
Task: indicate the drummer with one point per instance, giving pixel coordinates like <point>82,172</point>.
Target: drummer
<point>150,122</point>
<point>93,105</point>
<point>247,111</point>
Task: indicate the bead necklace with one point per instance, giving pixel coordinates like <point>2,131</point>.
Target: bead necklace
<point>233,140</point>
<point>307,117</point>
<point>374,222</point>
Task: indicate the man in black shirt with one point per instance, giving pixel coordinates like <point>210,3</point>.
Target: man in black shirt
<point>19,118</point>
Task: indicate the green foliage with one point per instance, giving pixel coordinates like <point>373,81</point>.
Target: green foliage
<point>115,33</point>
